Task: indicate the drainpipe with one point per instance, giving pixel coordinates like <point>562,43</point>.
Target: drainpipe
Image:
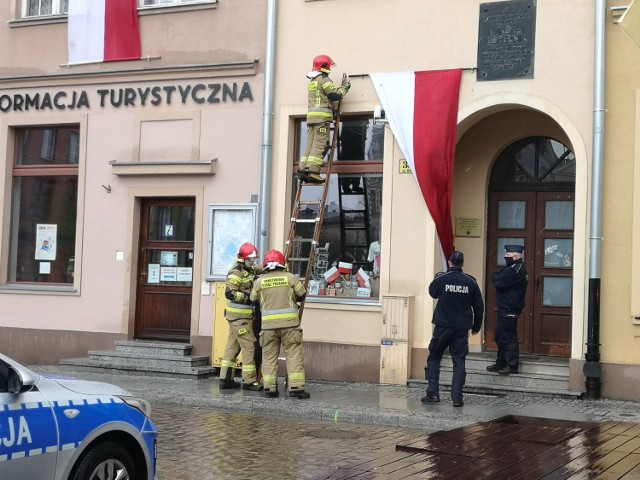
<point>267,128</point>
<point>592,367</point>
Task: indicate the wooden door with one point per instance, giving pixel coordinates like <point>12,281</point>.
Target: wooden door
<point>543,223</point>
<point>165,269</point>
<point>552,276</point>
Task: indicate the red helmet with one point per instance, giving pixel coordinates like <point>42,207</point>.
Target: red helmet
<point>323,63</point>
<point>274,259</point>
<point>247,251</point>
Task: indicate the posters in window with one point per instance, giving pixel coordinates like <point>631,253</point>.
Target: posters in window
<point>46,241</point>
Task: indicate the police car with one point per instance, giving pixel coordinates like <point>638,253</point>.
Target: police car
<point>62,428</point>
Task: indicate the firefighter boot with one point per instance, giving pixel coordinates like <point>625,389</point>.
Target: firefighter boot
<point>254,387</point>
<point>299,393</point>
<point>271,392</point>
<point>228,381</point>
<point>315,178</point>
<point>303,175</point>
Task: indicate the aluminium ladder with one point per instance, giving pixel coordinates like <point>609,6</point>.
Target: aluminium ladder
<point>301,247</point>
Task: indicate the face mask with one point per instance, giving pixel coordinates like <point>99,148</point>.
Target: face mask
<point>509,261</point>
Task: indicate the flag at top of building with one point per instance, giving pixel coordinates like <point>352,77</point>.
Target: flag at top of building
<point>103,31</point>
<point>422,110</point>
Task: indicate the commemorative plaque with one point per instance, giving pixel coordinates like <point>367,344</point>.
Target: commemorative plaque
<point>506,41</point>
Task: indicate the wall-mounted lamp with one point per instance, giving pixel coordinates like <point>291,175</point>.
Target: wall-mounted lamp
<point>107,188</point>
<point>378,115</point>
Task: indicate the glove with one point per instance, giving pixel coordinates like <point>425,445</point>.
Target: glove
<point>347,86</point>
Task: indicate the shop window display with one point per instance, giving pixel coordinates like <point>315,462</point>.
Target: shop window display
<point>348,261</point>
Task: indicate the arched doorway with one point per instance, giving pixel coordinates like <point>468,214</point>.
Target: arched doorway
<point>532,202</point>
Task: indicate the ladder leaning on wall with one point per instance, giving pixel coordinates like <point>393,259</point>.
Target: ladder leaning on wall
<point>301,248</point>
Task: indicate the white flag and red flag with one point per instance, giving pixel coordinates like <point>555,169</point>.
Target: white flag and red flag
<point>422,110</point>
<point>103,31</point>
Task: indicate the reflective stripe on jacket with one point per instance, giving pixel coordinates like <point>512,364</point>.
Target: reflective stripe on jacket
<point>239,281</point>
<point>320,107</point>
<point>278,293</point>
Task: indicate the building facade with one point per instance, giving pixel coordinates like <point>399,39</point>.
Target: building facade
<point>163,157</point>
<point>522,167</point>
<point>111,173</point>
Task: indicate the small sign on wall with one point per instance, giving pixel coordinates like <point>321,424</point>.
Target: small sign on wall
<point>468,227</point>
<point>404,166</point>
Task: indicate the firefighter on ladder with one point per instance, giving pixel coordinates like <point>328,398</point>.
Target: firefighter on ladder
<point>278,293</point>
<point>323,98</point>
<point>239,313</point>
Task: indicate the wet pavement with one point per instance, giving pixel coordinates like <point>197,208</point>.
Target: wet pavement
<point>345,430</point>
<point>198,443</point>
<point>364,403</point>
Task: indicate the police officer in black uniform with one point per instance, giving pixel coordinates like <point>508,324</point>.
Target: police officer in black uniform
<point>460,308</point>
<point>511,286</point>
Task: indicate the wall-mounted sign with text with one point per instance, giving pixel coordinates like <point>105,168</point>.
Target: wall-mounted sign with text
<point>468,227</point>
<point>143,96</point>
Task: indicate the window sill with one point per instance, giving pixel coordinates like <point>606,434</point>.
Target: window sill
<point>330,301</point>
<point>159,9</point>
<point>206,167</point>
<point>34,21</point>
<point>38,289</point>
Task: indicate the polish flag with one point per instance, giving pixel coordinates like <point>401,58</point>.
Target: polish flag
<point>422,110</point>
<point>345,268</point>
<point>331,275</point>
<point>363,278</point>
<point>103,31</point>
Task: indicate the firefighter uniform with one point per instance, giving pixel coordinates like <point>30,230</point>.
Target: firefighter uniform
<point>323,97</point>
<point>239,313</point>
<point>511,287</point>
<point>460,308</point>
<point>277,293</point>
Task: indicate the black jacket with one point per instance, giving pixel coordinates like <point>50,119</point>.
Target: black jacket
<point>460,303</point>
<point>511,286</point>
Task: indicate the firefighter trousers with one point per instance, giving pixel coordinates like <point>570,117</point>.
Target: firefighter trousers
<point>317,147</point>
<point>291,341</point>
<point>241,338</point>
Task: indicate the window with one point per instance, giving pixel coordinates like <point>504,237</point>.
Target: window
<point>39,8</point>
<point>44,205</point>
<point>352,219</point>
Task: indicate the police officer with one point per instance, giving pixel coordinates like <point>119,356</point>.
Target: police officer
<point>239,313</point>
<point>460,308</point>
<point>323,97</point>
<point>511,286</point>
<point>278,293</point>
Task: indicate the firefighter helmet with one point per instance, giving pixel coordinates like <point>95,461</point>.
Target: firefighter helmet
<point>274,259</point>
<point>323,63</point>
<point>247,251</point>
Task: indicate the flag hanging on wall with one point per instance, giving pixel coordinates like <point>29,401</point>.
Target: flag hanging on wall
<point>103,31</point>
<point>630,22</point>
<point>422,110</point>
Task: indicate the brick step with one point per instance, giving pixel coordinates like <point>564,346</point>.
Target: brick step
<point>154,348</point>
<point>540,375</point>
<point>129,367</point>
<point>149,359</point>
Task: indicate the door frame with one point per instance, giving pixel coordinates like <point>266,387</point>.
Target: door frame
<point>141,267</point>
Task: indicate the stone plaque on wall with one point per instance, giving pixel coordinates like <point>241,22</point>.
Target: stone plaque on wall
<point>506,40</point>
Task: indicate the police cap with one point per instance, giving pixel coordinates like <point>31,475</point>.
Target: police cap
<point>457,258</point>
<point>514,248</point>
